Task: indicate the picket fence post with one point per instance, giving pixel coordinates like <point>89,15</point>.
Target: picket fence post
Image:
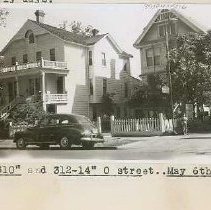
<point>99,125</point>
<point>112,124</point>
<point>162,123</point>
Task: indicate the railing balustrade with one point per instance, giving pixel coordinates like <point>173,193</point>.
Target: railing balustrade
<point>39,64</point>
<point>55,98</point>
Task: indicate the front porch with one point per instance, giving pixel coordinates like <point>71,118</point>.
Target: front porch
<point>43,80</point>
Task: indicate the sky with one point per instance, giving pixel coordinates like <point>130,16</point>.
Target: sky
<point>125,22</point>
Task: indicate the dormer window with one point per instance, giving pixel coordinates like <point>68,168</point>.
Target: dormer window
<point>29,36</point>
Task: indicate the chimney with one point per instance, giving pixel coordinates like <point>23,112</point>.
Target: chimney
<point>39,16</point>
<point>95,32</point>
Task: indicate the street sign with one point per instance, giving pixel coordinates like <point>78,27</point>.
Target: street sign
<point>165,89</point>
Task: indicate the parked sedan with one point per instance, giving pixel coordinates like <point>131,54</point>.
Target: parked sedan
<point>60,129</point>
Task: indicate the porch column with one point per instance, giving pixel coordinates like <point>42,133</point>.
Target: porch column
<point>43,90</point>
<point>16,79</point>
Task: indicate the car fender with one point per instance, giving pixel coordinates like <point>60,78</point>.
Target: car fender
<point>71,133</point>
<point>18,135</point>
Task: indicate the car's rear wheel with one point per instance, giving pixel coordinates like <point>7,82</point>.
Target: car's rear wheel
<point>65,143</point>
<point>88,145</point>
<point>20,143</point>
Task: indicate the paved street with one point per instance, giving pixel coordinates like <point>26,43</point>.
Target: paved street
<point>190,147</point>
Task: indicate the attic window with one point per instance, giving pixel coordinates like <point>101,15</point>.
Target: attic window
<point>167,28</point>
<point>30,36</point>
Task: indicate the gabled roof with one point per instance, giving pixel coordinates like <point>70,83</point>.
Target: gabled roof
<point>75,38</point>
<point>177,14</point>
<point>81,39</point>
<point>70,36</point>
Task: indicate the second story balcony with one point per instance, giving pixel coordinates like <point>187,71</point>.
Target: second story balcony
<point>45,64</point>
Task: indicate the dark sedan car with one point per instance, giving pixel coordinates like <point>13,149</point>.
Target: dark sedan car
<point>60,129</point>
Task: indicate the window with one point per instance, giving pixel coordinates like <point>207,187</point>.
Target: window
<point>31,86</point>
<point>157,57</point>
<point>103,59</point>
<point>104,86</point>
<point>91,89</point>
<point>126,90</point>
<point>25,58</point>
<point>113,68</point>
<point>44,122</point>
<point>162,30</point>
<point>60,85</point>
<point>53,121</point>
<point>113,64</point>
<point>149,57</point>
<point>125,67</point>
<point>173,28</point>
<point>64,122</point>
<point>170,28</point>
<point>13,61</point>
<point>30,36</point>
<point>153,56</point>
<point>38,56</point>
<point>90,58</point>
<point>52,55</point>
<point>37,85</point>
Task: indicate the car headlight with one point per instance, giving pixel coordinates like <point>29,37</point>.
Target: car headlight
<point>87,133</point>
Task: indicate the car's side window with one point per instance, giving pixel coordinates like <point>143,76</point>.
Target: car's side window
<point>54,121</point>
<point>65,121</point>
<point>44,122</point>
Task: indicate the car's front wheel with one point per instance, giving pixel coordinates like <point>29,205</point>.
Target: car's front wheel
<point>88,145</point>
<point>20,143</point>
<point>65,143</point>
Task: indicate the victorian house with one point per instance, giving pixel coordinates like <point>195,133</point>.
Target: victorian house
<point>69,71</point>
<point>157,38</point>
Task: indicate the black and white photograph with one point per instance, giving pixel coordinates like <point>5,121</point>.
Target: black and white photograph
<point>105,105</point>
<point>105,81</point>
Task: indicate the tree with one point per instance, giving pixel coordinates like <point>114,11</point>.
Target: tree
<point>150,95</point>
<point>3,15</point>
<point>190,63</point>
<point>107,107</point>
<point>77,28</point>
<point>27,112</point>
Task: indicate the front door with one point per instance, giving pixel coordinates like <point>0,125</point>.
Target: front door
<point>60,85</point>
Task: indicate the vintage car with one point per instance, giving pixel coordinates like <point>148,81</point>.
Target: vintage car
<point>64,130</point>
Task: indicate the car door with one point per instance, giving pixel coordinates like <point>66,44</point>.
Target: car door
<point>49,130</point>
<point>46,130</point>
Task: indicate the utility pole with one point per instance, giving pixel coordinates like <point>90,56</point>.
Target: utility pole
<point>168,27</point>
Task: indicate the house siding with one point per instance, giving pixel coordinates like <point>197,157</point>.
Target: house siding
<point>101,72</point>
<point>153,41</point>
<point>43,42</point>
<point>79,72</point>
<point>76,82</point>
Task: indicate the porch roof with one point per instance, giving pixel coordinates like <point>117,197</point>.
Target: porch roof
<point>32,71</point>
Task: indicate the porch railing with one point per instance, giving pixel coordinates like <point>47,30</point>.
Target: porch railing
<point>39,64</point>
<point>54,64</point>
<point>55,98</point>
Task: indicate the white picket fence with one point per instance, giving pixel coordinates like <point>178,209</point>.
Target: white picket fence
<point>141,127</point>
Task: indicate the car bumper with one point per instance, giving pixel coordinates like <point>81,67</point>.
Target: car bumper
<point>91,139</point>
